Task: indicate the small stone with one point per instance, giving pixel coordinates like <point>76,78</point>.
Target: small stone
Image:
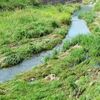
<point>31,79</point>
<point>51,77</point>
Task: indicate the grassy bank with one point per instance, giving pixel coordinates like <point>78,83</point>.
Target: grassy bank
<point>73,74</point>
<point>31,30</point>
<point>93,18</point>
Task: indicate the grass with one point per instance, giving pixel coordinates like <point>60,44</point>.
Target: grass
<point>28,31</point>
<point>73,74</point>
<point>86,1</point>
<point>89,17</point>
<point>97,6</point>
<point>93,18</point>
<point>76,76</point>
<point>17,4</point>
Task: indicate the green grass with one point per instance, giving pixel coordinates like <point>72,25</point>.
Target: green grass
<point>78,76</point>
<point>75,72</point>
<point>97,6</point>
<point>25,32</point>
<point>86,1</point>
<point>93,19</point>
<point>17,4</point>
<point>89,17</point>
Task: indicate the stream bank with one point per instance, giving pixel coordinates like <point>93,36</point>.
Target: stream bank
<point>78,26</point>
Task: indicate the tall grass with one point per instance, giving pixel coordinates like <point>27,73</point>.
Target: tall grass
<point>97,6</point>
<point>89,16</point>
<point>32,30</point>
<point>18,4</point>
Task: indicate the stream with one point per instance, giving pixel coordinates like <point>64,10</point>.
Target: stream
<point>78,26</point>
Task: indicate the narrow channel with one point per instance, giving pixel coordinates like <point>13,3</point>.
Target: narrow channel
<point>78,26</point>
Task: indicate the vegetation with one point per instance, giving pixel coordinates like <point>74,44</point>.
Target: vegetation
<point>93,18</point>
<point>86,1</point>
<point>73,74</point>
<point>17,4</point>
<point>97,6</point>
<point>27,31</point>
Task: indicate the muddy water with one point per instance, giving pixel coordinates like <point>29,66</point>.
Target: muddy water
<point>78,26</point>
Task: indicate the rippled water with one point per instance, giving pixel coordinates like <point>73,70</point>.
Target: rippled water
<point>78,26</point>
